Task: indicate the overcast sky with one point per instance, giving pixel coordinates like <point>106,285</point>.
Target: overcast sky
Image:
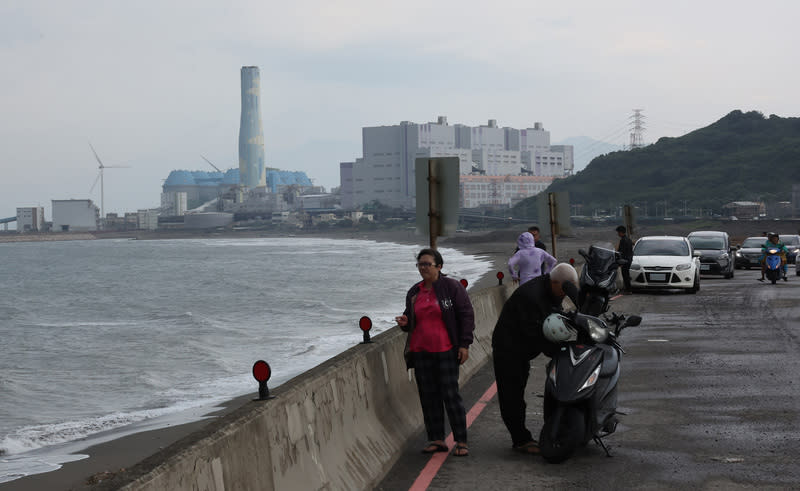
<point>154,85</point>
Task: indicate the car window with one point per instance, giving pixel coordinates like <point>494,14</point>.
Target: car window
<point>790,239</point>
<point>661,247</point>
<point>700,242</point>
<point>754,242</point>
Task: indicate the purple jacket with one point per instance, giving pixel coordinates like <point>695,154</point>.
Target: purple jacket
<point>457,312</point>
<point>526,263</point>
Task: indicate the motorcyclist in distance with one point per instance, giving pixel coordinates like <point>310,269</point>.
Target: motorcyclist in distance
<point>773,242</point>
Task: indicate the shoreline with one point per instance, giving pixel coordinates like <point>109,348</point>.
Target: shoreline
<point>110,457</point>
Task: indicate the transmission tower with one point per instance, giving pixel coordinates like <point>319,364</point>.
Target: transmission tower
<point>637,129</point>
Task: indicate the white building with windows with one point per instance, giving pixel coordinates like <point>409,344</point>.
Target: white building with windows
<point>30,219</point>
<point>385,172</point>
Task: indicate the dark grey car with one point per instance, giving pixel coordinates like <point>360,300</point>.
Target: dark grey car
<point>749,254</point>
<point>717,257</point>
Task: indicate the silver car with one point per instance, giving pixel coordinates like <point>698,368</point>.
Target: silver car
<point>792,243</point>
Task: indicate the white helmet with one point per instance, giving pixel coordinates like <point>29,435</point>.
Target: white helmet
<point>557,331</point>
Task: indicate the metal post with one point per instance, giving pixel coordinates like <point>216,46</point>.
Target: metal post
<point>551,202</point>
<point>433,213</point>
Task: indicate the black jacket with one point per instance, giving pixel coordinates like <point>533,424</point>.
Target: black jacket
<point>457,313</point>
<point>625,247</point>
<point>518,330</point>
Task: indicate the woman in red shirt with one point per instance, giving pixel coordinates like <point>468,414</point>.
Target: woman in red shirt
<point>440,320</point>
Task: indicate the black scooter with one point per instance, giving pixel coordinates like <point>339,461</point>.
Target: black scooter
<point>580,397</point>
<point>598,278</point>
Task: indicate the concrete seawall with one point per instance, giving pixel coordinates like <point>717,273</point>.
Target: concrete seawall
<point>337,426</point>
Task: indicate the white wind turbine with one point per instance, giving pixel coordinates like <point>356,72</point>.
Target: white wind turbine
<point>100,178</point>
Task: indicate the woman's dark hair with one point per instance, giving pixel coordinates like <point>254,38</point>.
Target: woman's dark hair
<point>437,258</point>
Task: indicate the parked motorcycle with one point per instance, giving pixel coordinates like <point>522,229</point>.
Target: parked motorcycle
<point>598,278</point>
<point>773,261</point>
<point>580,398</point>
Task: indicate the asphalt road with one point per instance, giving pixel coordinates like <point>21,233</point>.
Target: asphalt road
<point>711,392</point>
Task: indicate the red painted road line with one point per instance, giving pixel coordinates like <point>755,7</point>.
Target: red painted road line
<point>437,459</point>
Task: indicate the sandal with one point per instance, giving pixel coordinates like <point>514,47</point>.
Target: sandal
<point>434,447</point>
<point>461,450</point>
<point>531,448</point>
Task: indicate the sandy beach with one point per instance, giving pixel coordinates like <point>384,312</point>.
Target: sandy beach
<point>107,459</point>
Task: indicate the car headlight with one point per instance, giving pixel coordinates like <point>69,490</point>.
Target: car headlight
<point>636,266</point>
<point>724,255</point>
<point>683,267</point>
<point>738,254</point>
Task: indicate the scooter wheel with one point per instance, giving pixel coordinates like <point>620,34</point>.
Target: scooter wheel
<point>557,445</point>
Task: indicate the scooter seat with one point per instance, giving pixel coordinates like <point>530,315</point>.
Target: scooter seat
<point>610,361</point>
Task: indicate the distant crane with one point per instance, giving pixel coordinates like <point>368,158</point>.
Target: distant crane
<point>100,178</point>
<point>220,203</point>
<point>212,165</point>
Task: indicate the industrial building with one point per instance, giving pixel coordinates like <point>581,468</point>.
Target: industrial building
<point>207,220</point>
<point>30,219</point>
<point>386,170</point>
<point>75,215</point>
<point>198,187</point>
<point>185,190</point>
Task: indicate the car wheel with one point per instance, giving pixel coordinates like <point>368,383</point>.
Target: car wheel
<point>696,286</point>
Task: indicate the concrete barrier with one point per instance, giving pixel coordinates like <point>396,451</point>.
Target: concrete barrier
<point>338,426</point>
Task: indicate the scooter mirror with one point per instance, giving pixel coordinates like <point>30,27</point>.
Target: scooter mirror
<point>632,321</point>
<point>582,252</point>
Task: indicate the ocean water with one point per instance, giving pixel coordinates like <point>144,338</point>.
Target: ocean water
<point>103,338</point>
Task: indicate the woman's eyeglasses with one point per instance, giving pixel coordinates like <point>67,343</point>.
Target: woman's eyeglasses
<point>425,265</point>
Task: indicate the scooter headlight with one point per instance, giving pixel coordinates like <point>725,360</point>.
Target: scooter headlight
<point>592,379</point>
<point>597,331</point>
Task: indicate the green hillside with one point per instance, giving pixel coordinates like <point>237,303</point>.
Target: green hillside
<point>741,157</point>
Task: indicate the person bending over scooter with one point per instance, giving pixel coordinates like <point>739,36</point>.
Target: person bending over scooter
<point>773,241</point>
<point>518,338</point>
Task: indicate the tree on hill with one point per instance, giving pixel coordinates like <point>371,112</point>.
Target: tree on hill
<point>741,157</point>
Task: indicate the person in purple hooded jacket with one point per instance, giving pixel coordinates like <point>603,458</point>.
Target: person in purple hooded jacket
<point>529,261</point>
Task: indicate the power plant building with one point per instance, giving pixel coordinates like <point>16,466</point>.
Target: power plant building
<point>185,190</point>
<point>504,165</point>
<point>30,219</point>
<point>75,215</point>
<point>251,133</point>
